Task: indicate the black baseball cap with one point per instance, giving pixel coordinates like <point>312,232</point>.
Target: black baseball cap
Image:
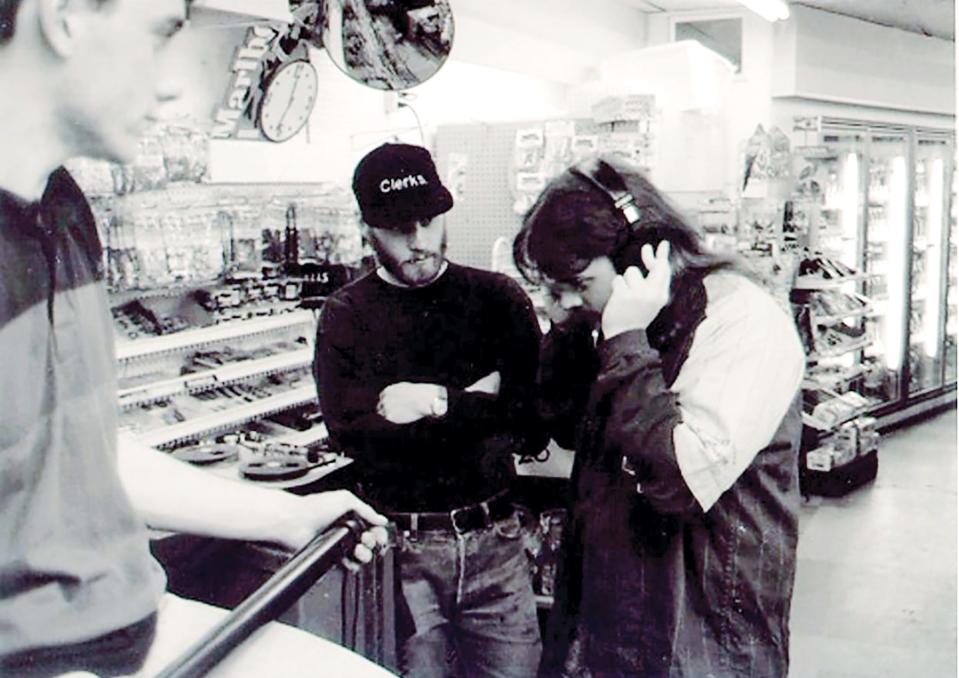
<point>398,183</point>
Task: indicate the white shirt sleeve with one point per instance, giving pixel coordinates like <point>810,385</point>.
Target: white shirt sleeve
<point>743,371</point>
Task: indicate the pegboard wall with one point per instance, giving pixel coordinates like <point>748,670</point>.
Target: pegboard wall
<point>483,202</point>
<point>476,162</point>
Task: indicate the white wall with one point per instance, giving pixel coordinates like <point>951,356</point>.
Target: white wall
<point>350,119</point>
<point>510,61</point>
<point>748,102</point>
<point>691,86</point>
<point>554,40</point>
<point>830,57</point>
<point>529,60</point>
<point>323,150</point>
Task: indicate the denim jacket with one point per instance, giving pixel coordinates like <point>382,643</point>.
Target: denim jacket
<point>651,583</point>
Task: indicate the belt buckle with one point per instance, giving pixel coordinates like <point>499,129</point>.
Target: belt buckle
<point>459,512</point>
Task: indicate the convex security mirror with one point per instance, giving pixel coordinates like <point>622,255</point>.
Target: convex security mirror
<point>384,44</point>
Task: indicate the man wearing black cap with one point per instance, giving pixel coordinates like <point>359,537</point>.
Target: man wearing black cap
<point>425,371</point>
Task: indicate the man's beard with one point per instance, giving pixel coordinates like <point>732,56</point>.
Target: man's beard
<point>583,317</point>
<point>408,272</point>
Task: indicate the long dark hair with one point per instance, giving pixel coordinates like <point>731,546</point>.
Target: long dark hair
<point>574,221</point>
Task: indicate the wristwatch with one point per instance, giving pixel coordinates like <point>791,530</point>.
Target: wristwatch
<point>439,404</point>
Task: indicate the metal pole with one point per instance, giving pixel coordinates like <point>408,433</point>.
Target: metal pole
<point>269,601</point>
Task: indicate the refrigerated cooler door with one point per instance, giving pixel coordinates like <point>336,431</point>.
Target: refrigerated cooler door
<point>839,231</point>
<point>952,280</point>
<point>835,232</point>
<point>930,208</point>
<point>886,260</point>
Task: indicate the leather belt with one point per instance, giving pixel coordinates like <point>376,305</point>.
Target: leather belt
<point>474,517</point>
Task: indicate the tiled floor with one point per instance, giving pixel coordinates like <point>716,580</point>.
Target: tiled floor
<point>876,582</point>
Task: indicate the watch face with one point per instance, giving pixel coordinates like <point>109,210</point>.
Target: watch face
<point>289,100</point>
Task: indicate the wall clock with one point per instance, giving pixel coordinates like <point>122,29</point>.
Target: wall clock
<point>288,100</point>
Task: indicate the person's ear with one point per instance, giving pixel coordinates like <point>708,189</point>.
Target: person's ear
<point>63,21</point>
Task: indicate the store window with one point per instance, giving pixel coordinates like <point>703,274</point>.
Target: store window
<point>723,36</point>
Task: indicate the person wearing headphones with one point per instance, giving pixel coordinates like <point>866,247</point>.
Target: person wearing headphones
<point>681,375</point>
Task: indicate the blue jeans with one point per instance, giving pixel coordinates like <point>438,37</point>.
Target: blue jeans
<point>471,602</point>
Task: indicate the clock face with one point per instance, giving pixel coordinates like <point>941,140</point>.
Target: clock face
<point>290,95</point>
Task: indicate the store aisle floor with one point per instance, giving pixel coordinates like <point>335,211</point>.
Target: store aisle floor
<point>876,582</point>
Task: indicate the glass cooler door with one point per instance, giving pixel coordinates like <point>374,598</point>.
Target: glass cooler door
<point>840,233</point>
<point>952,279</point>
<point>836,236</point>
<point>926,297</point>
<point>886,261</point>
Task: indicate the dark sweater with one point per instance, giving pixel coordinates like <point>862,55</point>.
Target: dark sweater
<point>453,332</point>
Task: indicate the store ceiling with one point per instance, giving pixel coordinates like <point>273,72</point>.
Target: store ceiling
<point>928,17</point>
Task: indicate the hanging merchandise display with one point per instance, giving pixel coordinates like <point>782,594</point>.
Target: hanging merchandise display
<point>622,126</point>
<point>763,236</point>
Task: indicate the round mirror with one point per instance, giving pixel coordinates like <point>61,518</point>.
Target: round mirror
<point>385,44</point>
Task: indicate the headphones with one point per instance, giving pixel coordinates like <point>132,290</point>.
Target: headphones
<point>604,177</point>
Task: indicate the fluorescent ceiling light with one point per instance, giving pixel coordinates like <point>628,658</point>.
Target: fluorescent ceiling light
<point>770,10</point>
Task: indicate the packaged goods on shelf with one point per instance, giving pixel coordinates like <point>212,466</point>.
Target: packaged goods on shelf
<point>820,459</point>
<point>543,150</point>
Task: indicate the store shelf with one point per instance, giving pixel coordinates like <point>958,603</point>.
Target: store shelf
<point>231,471</point>
<point>121,297</point>
<point>832,382</point>
<point>198,382</point>
<point>839,317</point>
<point>839,351</point>
<point>306,438</point>
<point>811,283</point>
<point>824,233</point>
<point>220,422</point>
<point>820,425</point>
<point>143,348</point>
